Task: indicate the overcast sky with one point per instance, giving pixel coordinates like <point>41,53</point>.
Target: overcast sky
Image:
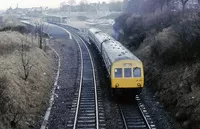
<point>35,3</point>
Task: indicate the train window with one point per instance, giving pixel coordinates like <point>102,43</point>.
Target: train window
<point>137,72</point>
<point>118,72</point>
<point>127,72</point>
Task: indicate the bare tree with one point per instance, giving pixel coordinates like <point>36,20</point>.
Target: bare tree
<point>17,117</point>
<point>62,4</point>
<point>83,5</point>
<point>1,63</point>
<point>115,5</point>
<point>27,62</point>
<point>39,28</point>
<point>151,6</point>
<point>183,2</point>
<point>71,3</point>
<point>168,2</point>
<point>161,4</point>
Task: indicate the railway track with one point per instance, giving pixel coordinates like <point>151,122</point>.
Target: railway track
<point>87,109</point>
<point>135,116</point>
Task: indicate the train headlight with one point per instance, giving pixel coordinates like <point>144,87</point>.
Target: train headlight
<point>116,85</point>
<point>137,72</point>
<point>139,85</point>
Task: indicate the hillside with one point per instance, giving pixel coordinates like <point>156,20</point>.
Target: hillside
<point>168,45</point>
<point>25,81</point>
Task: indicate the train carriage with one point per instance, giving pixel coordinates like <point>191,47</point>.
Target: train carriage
<point>124,68</point>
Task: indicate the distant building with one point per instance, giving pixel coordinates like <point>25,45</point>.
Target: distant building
<point>104,6</point>
<point>21,12</point>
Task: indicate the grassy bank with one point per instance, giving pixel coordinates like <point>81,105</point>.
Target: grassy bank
<point>25,81</point>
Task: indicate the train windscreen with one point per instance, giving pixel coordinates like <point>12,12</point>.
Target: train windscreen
<point>118,72</point>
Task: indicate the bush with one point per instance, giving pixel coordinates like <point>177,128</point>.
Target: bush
<point>20,29</point>
<point>188,36</point>
<point>197,76</point>
<point>186,47</point>
<point>137,28</point>
<point>134,25</point>
<point>161,20</point>
<point>121,20</point>
<point>3,100</point>
<point>134,31</point>
<point>171,55</point>
<point>137,40</point>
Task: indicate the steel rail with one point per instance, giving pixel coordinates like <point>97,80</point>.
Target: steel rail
<point>124,120</point>
<point>80,88</point>
<point>152,126</point>
<point>143,123</point>
<point>147,123</point>
<point>95,86</point>
<point>80,85</point>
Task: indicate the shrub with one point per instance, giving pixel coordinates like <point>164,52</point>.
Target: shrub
<point>134,31</point>
<point>137,40</point>
<point>20,29</point>
<point>120,21</point>
<point>3,100</point>
<point>185,48</point>
<point>137,28</point>
<point>188,36</point>
<point>197,76</point>
<point>163,47</point>
<point>133,25</point>
<point>171,55</point>
<point>161,20</point>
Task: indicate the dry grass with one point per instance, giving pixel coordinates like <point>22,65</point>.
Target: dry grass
<point>22,102</point>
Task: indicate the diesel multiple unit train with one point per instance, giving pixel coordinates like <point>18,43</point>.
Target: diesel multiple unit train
<point>125,69</point>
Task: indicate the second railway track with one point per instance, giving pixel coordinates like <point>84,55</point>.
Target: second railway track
<point>87,110</point>
<point>135,116</point>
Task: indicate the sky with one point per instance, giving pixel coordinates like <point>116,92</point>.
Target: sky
<point>5,4</point>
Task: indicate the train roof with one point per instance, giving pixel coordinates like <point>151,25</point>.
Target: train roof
<point>116,51</point>
<point>94,30</point>
<point>103,37</point>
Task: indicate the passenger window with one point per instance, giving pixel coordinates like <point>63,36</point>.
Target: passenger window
<point>137,72</point>
<point>127,72</point>
<point>118,72</point>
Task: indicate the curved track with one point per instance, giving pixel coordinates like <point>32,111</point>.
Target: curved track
<point>87,110</point>
<point>135,116</point>
<point>85,113</point>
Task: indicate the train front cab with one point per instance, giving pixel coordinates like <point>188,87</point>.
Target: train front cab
<point>127,74</point>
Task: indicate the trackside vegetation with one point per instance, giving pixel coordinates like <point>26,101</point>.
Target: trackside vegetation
<point>168,44</point>
<point>25,79</point>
